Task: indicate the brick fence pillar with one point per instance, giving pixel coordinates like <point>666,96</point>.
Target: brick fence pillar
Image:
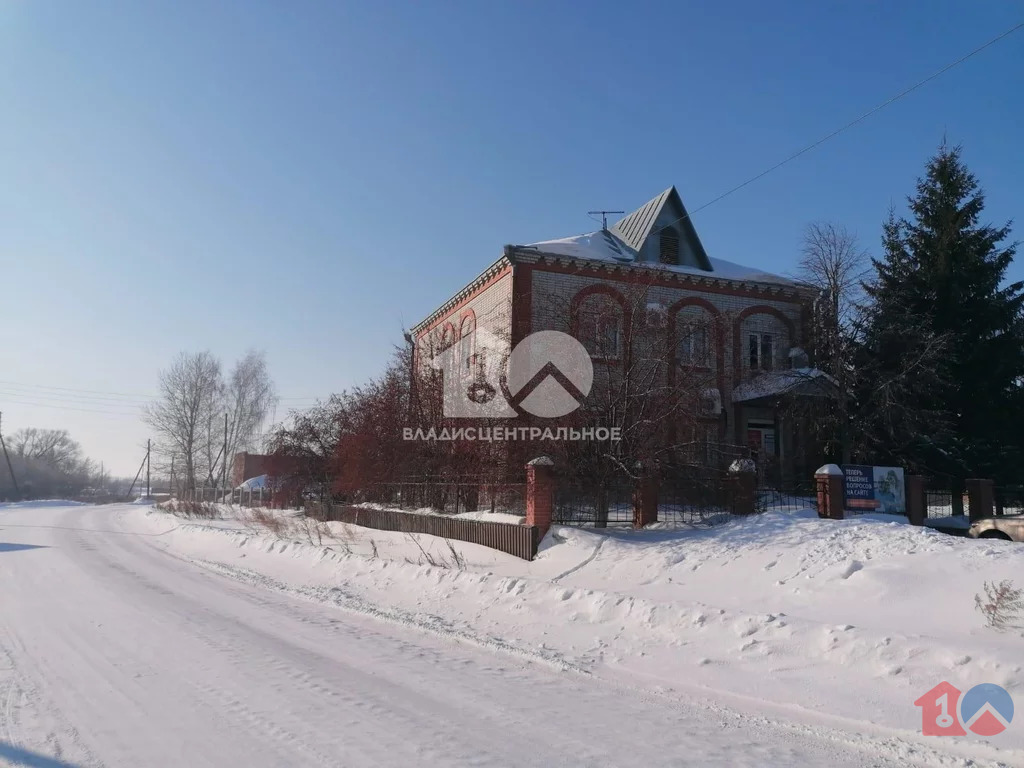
<point>645,500</point>
<point>828,481</point>
<point>917,506</point>
<point>742,487</point>
<point>980,498</point>
<point>540,493</point>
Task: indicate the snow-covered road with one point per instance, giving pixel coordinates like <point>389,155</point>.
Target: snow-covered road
<point>113,651</point>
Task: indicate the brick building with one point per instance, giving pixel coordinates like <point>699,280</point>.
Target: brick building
<point>744,331</point>
<point>246,466</point>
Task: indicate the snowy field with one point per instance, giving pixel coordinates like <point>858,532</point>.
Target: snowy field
<point>129,636</point>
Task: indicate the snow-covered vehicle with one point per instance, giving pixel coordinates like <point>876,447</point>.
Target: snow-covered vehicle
<point>1008,527</point>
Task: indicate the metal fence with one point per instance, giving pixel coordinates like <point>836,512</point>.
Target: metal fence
<point>696,500</point>
<point>594,503</point>
<point>684,498</point>
<point>246,497</point>
<point>1009,499</point>
<point>787,499</point>
<point>941,500</point>
<point>517,540</point>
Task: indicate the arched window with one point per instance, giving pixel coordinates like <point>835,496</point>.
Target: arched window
<point>668,242</point>
<point>467,343</point>
<point>599,326</point>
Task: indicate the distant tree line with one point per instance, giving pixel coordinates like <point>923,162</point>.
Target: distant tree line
<point>48,463</point>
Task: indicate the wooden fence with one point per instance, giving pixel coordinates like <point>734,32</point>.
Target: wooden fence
<point>517,540</point>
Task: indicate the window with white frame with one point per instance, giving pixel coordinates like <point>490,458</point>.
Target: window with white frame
<point>761,351</point>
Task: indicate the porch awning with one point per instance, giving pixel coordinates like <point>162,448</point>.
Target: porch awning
<point>796,382</point>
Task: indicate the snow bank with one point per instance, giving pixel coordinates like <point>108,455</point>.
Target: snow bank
<point>851,619</point>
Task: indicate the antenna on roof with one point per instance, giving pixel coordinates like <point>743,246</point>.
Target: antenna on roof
<point>604,217</point>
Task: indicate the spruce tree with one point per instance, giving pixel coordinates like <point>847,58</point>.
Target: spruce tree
<point>943,334</point>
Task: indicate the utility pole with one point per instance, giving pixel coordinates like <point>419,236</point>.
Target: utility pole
<point>604,217</point>
<point>137,474</point>
<point>149,490</point>
<point>224,461</point>
<point>171,489</point>
<point>10,469</point>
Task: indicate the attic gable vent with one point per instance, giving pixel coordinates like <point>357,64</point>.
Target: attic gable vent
<point>668,246</point>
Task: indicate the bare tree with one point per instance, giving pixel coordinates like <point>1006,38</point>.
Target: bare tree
<point>833,261</point>
<point>190,396</point>
<point>248,398</point>
<point>52,447</point>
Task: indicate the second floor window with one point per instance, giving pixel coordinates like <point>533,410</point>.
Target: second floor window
<point>602,336</point>
<point>599,327</point>
<point>761,348</point>
<point>692,347</point>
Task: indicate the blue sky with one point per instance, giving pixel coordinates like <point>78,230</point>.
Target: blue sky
<point>307,178</point>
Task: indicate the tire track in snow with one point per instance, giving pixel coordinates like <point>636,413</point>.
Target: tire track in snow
<point>424,622</point>
<point>587,561</point>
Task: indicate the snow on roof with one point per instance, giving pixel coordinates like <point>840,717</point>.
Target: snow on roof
<point>781,382</point>
<point>253,483</point>
<point>605,246</point>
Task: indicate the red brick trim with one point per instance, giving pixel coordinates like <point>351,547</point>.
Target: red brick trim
<point>468,314</point>
<point>737,352</point>
<point>709,284</point>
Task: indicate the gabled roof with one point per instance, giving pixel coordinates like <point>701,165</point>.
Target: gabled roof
<point>639,225</point>
<point>634,228</point>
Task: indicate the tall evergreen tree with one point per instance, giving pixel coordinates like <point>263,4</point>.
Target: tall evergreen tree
<point>943,334</point>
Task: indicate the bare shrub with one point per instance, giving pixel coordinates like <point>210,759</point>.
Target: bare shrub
<point>314,531</point>
<point>1002,604</point>
<point>264,519</point>
<point>203,510</point>
<point>345,537</point>
<point>437,561</point>
<point>424,555</point>
<point>457,560</point>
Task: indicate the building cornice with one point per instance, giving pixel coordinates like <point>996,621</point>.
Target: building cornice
<point>484,277</point>
<point>658,276</point>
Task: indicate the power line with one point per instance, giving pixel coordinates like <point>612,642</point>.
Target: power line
<point>849,125</point>
<point>65,398</point>
<point>72,389</point>
<point>69,408</point>
<point>89,395</point>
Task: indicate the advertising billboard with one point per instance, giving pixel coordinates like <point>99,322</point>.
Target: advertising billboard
<point>874,489</point>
